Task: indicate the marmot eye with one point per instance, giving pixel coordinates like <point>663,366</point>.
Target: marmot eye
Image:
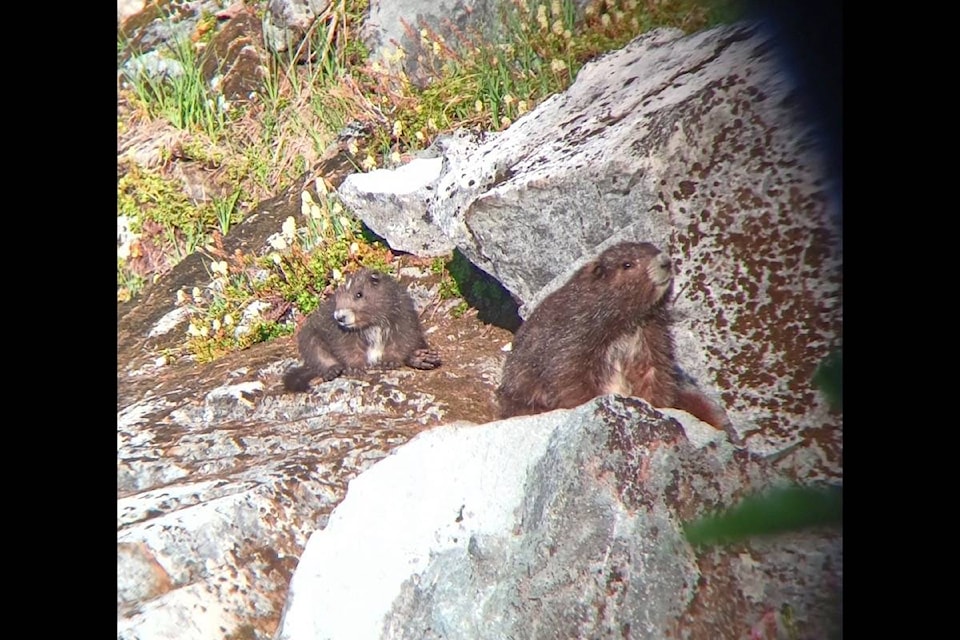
<point>358,294</point>
<point>627,265</point>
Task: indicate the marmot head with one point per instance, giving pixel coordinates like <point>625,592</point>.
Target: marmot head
<point>363,300</point>
<point>634,276</point>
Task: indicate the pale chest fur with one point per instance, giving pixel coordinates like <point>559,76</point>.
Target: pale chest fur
<point>629,368</point>
<point>375,338</point>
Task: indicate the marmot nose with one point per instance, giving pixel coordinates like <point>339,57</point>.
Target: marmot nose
<point>664,262</point>
<point>339,316</point>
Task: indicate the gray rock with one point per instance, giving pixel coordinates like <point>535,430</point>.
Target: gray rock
<point>286,22</point>
<point>694,144</point>
<point>217,493</point>
<point>567,524</point>
<point>380,194</point>
<point>162,23</point>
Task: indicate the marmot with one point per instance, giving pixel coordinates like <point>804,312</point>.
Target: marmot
<point>369,322</point>
<point>605,331</point>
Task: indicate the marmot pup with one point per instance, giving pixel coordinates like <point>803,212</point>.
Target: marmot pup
<point>369,322</point>
<point>605,331</point>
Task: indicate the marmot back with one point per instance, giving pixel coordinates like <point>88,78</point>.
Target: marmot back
<point>369,322</point>
<point>605,331</point>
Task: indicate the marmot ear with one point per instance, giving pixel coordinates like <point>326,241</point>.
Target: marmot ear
<point>375,277</point>
<point>598,270</point>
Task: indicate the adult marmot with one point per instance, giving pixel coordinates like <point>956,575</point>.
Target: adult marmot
<point>605,331</point>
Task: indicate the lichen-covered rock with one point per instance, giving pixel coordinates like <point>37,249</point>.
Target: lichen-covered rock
<point>286,22</point>
<point>567,524</point>
<point>218,489</point>
<point>235,62</point>
<point>697,145</point>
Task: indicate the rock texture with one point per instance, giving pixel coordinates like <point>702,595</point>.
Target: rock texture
<point>694,144</point>
<point>287,22</point>
<point>221,478</point>
<point>380,194</point>
<point>566,524</point>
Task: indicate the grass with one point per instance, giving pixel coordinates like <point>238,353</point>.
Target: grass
<point>180,93</point>
<point>256,298</point>
<point>308,96</point>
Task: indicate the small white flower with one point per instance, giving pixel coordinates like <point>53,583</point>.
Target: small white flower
<point>277,242</point>
<point>181,297</point>
<point>215,324</point>
<point>228,320</point>
<point>196,294</point>
<point>219,266</point>
<point>395,157</point>
<point>337,275</point>
<point>354,248</point>
<point>305,202</point>
<point>397,129</point>
<point>289,229</point>
<point>275,257</point>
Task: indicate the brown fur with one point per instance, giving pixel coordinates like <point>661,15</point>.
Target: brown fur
<point>605,331</point>
<point>369,322</point>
